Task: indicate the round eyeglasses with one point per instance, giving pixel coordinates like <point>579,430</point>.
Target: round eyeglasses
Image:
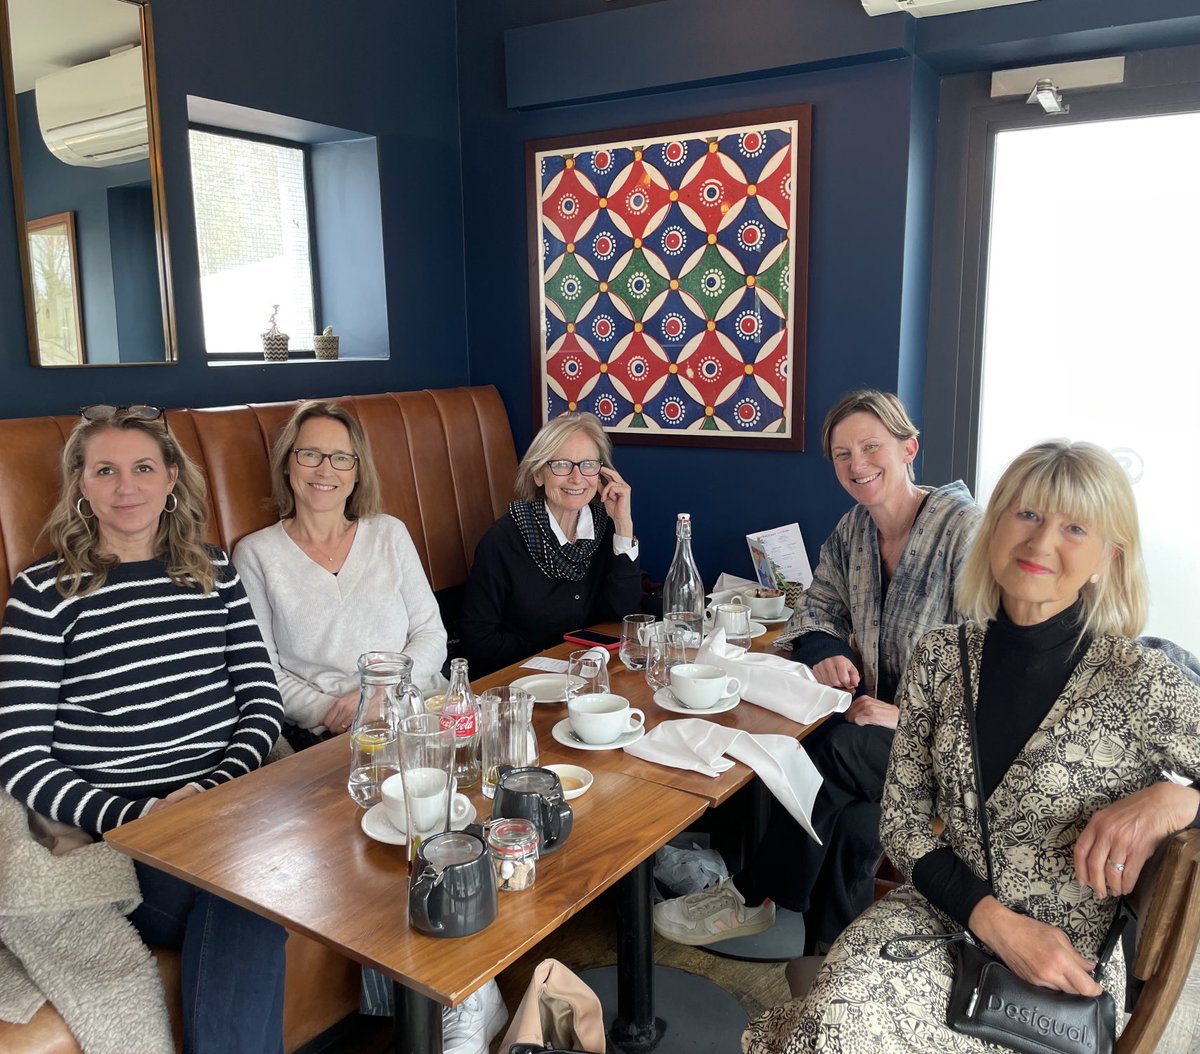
<point>312,458</point>
<point>562,467</point>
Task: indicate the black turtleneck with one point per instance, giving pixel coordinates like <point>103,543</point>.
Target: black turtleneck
<point>1022,673</point>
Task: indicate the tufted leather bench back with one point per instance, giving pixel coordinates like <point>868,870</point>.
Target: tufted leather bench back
<point>445,457</point>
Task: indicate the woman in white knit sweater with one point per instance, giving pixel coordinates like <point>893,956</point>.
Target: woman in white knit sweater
<point>335,577</point>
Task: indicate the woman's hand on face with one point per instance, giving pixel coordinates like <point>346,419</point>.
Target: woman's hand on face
<point>339,716</point>
<point>174,796</point>
<point>1033,950</point>
<point>838,672</point>
<point>1128,832</point>
<point>617,498</point>
<point>867,710</point>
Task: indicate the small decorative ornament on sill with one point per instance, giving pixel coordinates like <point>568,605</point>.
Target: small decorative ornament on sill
<point>275,342</point>
<point>326,344</point>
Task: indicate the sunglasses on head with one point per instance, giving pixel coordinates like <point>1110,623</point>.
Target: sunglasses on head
<point>107,411</point>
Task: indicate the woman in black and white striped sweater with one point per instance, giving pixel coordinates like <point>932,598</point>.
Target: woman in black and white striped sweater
<point>133,675</point>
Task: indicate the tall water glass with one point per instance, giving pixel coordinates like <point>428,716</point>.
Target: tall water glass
<point>667,647</point>
<point>633,641</point>
<point>735,619</point>
<point>587,672</point>
<point>427,763</point>
<point>507,737</point>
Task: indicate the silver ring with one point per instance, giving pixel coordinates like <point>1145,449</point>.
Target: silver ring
<point>1118,868</point>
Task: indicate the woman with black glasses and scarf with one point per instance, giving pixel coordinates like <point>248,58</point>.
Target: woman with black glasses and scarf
<point>563,556</point>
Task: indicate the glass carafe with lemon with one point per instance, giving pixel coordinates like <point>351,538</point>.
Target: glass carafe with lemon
<point>386,697</point>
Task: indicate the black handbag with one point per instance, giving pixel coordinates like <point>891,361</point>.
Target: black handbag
<point>989,1001</point>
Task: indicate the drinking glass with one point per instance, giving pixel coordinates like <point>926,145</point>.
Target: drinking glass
<point>666,647</point>
<point>735,619</point>
<point>587,672</point>
<point>427,765</point>
<point>633,641</point>
<point>507,737</point>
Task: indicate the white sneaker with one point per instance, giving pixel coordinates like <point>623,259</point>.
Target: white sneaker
<point>470,1027</point>
<point>712,915</point>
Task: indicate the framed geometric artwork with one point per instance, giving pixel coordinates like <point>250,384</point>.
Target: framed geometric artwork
<point>669,277</point>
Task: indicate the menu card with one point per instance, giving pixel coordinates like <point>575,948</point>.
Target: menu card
<point>779,556</point>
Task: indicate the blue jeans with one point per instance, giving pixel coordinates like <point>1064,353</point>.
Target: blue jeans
<point>233,962</point>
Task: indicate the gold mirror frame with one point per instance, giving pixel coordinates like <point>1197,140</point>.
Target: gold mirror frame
<point>150,80</point>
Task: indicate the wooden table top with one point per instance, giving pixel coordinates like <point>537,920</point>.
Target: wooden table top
<point>632,685</point>
<point>286,843</point>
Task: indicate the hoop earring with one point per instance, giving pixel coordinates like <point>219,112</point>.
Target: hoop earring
<point>168,509</point>
<point>79,509</point>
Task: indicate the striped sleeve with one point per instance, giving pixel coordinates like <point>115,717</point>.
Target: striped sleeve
<point>259,705</point>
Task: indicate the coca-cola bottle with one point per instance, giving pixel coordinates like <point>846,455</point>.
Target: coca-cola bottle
<point>461,712</point>
<point>683,589</point>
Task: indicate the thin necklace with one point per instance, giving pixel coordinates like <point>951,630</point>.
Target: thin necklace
<point>332,559</point>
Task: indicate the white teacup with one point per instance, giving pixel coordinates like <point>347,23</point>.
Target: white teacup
<point>701,687</point>
<point>429,792</point>
<point>764,606</point>
<point>602,717</point>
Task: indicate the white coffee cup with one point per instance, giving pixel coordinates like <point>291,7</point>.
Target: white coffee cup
<point>603,717</point>
<point>429,792</point>
<point>702,687</point>
<point>764,607</point>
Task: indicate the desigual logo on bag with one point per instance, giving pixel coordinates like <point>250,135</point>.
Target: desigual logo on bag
<point>1039,1020</point>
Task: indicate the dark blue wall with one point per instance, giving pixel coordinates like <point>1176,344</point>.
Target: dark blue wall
<point>387,68</point>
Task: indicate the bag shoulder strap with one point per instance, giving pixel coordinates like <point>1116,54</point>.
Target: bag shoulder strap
<point>973,735</point>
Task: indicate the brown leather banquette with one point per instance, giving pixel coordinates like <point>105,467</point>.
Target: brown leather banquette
<point>446,463</point>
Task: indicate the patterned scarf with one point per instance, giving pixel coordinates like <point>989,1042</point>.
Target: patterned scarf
<point>568,563</point>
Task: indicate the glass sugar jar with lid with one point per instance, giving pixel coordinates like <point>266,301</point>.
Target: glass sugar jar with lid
<point>514,845</point>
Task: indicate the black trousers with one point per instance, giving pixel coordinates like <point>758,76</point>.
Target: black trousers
<point>834,882</point>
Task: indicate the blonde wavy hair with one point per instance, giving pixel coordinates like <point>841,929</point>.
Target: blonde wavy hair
<point>366,497</point>
<point>546,443</point>
<point>1080,481</point>
<point>179,541</point>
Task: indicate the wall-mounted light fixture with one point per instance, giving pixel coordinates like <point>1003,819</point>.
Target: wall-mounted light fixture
<point>1046,95</point>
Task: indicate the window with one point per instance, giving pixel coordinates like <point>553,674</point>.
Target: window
<point>1076,315</point>
<point>252,230</point>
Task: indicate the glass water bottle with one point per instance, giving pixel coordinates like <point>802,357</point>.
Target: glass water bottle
<point>683,589</point>
<point>461,712</point>
<point>386,696</point>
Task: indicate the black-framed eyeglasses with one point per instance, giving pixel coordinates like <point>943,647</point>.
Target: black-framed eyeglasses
<point>107,411</point>
<point>310,458</point>
<point>560,466</point>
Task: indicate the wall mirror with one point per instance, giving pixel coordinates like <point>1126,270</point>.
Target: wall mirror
<point>79,90</point>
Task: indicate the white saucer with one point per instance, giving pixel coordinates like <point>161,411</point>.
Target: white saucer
<point>757,629</point>
<point>376,824</point>
<point>573,772</point>
<point>545,687</point>
<point>667,699</point>
<point>562,734</point>
<point>786,614</point>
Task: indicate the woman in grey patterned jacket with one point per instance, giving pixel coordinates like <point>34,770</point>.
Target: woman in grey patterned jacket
<point>1076,722</point>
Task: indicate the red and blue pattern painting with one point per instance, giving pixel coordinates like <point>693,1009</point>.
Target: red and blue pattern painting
<point>666,282</point>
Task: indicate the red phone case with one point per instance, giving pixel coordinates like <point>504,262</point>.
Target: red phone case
<point>611,646</point>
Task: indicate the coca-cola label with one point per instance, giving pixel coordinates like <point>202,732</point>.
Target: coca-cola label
<point>463,724</point>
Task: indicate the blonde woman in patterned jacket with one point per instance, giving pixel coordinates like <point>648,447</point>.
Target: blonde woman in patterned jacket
<point>1076,722</point>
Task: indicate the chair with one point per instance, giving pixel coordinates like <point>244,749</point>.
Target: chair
<point>1168,914</point>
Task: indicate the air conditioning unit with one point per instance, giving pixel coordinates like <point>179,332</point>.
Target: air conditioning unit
<point>94,114</point>
<point>925,8</point>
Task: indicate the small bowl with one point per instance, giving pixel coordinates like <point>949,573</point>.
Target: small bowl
<point>574,779</point>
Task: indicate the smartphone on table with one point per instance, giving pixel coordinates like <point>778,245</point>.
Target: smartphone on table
<point>591,639</point>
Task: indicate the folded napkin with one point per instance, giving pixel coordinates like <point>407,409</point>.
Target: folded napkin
<point>700,746</point>
<point>773,682</point>
<point>728,586</point>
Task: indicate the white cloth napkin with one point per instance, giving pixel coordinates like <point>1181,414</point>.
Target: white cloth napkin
<point>728,586</point>
<point>700,746</point>
<point>773,682</point>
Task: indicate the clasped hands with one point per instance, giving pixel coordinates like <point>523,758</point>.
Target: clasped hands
<point>1109,857</point>
<point>839,672</point>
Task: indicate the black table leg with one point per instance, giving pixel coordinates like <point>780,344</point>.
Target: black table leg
<point>418,1022</point>
<point>635,1029</point>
